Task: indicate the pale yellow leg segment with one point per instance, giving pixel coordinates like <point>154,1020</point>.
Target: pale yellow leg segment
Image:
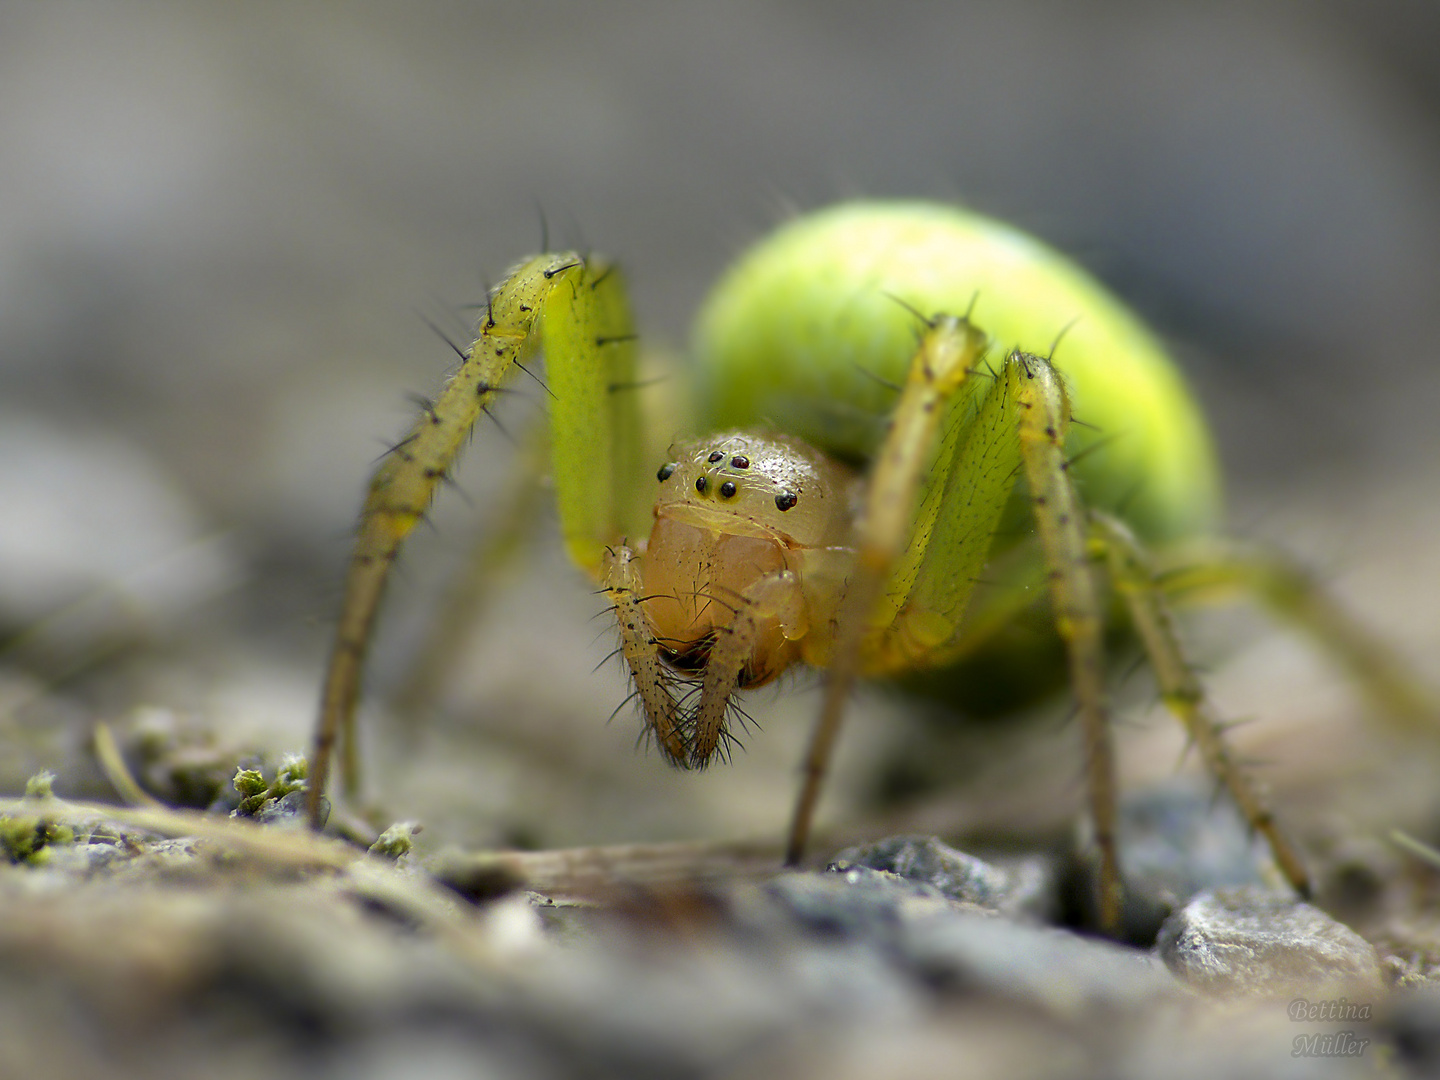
<point>947,352</point>
<point>1134,578</point>
<point>642,655</point>
<point>1060,521</point>
<point>404,484</point>
<point>1219,566</point>
<point>775,597</point>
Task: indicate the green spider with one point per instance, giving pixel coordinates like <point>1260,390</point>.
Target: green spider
<point>897,392</point>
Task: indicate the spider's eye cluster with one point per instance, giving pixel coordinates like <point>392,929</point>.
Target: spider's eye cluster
<point>728,486</point>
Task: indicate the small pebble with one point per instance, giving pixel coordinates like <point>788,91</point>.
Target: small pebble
<point>1026,888</point>
<point>1252,942</point>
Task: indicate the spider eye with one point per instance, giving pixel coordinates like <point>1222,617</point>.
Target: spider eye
<point>716,456</point>
<point>727,489</point>
<point>666,471</point>
<point>786,500</point>
<point>700,483</point>
<point>740,461</point>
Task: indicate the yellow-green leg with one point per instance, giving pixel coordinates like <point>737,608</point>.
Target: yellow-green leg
<point>1044,416</point>
<point>578,308</point>
<point>919,557</point>
<point>1134,579</point>
<point>1219,567</point>
<point>943,362</point>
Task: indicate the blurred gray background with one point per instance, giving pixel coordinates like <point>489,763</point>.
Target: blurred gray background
<point>220,226</point>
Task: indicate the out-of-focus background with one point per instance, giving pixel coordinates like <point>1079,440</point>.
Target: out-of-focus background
<point>223,228</point>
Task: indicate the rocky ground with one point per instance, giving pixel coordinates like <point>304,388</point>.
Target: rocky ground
<point>235,952</point>
<point>155,942</point>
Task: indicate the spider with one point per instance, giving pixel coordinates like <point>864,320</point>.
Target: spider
<point>903,397</point>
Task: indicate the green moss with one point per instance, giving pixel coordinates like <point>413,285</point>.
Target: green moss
<point>40,786</point>
<point>27,838</point>
<point>397,840</point>
<point>290,776</point>
<point>274,798</point>
<point>249,782</point>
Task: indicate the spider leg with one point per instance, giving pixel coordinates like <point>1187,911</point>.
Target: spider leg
<point>642,655</point>
<point>773,597</point>
<point>578,307</point>
<point>1043,416</point>
<point>1134,578</point>
<point>1222,566</point>
<point>919,557</point>
<point>943,362</point>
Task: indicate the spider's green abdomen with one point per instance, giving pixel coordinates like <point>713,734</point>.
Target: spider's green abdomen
<point>805,331</point>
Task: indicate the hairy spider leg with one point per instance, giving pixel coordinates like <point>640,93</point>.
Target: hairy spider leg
<point>1133,575</point>
<point>911,589</point>
<point>943,362</point>
<point>577,307</point>
<point>1221,567</point>
<point>653,683</point>
<point>1079,615</point>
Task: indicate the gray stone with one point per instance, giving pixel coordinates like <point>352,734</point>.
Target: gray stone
<point>1056,971</point>
<point>954,946</point>
<point>1257,943</point>
<point>854,904</point>
<point>1023,887</point>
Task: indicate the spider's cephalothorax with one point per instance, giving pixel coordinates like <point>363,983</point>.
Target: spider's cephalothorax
<point>753,536</point>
